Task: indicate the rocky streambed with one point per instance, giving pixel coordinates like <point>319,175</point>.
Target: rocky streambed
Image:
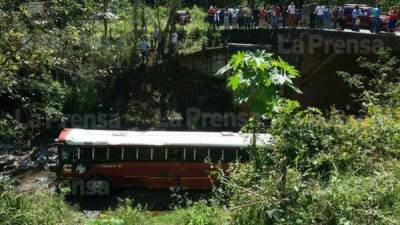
<point>28,167</point>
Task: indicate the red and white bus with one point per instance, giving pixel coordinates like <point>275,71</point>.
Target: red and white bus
<point>150,159</point>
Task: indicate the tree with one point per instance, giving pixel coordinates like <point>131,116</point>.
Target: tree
<point>258,80</point>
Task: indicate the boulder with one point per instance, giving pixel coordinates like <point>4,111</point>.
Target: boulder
<point>24,165</point>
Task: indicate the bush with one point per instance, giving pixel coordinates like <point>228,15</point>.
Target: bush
<point>355,200</point>
<point>329,169</point>
<point>36,208</point>
<point>202,214</point>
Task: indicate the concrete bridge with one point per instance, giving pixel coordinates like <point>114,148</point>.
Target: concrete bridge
<point>318,54</point>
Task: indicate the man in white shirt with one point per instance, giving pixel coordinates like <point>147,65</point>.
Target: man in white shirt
<point>292,15</point>
<point>319,12</point>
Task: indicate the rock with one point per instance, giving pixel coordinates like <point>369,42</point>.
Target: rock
<point>21,153</point>
<point>5,148</point>
<point>25,165</point>
<point>41,160</point>
<point>15,182</point>
<point>42,180</point>
<point>8,168</point>
<point>91,213</point>
<point>51,167</point>
<point>52,159</point>
<point>46,155</point>
<point>6,161</point>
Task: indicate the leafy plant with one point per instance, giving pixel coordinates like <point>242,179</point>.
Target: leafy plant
<point>258,80</point>
<point>202,214</point>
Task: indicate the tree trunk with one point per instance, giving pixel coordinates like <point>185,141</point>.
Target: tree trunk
<point>163,44</point>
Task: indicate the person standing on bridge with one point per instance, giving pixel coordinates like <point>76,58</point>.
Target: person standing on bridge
<point>312,16</point>
<point>327,18</point>
<point>211,13</point>
<point>256,18</point>
<point>227,17</point>
<point>357,13</point>
<point>376,19</point>
<point>247,17</point>
<point>263,17</point>
<point>292,17</point>
<point>276,14</point>
<point>305,17</point>
<point>393,17</point>
<point>319,12</point>
<point>341,19</point>
<point>285,15</point>
<point>240,17</point>
<point>234,18</point>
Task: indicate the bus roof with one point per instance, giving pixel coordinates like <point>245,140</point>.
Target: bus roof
<point>159,138</point>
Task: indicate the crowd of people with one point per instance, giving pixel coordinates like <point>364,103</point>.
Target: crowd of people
<point>278,16</point>
<point>289,15</point>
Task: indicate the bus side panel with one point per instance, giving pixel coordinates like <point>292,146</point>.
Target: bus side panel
<point>198,175</point>
<point>154,175</point>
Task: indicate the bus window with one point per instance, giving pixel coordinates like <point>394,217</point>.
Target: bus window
<point>189,154</point>
<point>100,154</point>
<point>86,154</point>
<point>243,155</point>
<point>130,154</point>
<point>145,154</point>
<point>66,154</point>
<point>202,154</point>
<point>175,154</point>
<point>215,155</point>
<point>229,155</point>
<point>115,154</point>
<point>159,154</point>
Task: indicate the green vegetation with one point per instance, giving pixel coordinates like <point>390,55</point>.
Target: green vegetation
<point>329,169</point>
<point>258,80</point>
<point>82,57</point>
<point>35,208</point>
<point>197,214</point>
<point>73,57</point>
<point>323,169</point>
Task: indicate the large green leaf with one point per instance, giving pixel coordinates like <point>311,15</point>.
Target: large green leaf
<point>256,79</point>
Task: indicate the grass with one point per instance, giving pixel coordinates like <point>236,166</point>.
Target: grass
<point>175,217</point>
<point>35,208</point>
<point>45,208</point>
<point>197,214</point>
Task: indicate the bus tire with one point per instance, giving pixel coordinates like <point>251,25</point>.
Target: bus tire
<point>98,186</point>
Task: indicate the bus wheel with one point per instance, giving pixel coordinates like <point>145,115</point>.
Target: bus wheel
<point>98,186</point>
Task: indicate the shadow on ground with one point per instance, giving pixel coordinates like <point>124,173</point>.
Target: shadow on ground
<point>152,200</point>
